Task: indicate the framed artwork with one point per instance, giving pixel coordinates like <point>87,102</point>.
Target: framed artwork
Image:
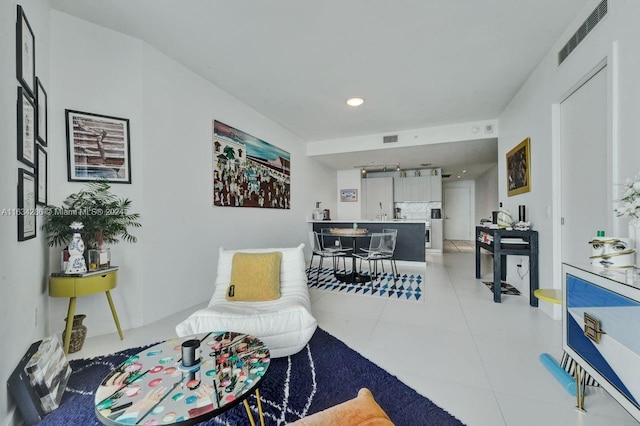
<point>41,173</point>
<point>26,205</point>
<point>26,128</point>
<point>348,195</point>
<point>41,113</point>
<point>25,53</point>
<point>98,148</point>
<point>518,169</point>
<point>249,172</point>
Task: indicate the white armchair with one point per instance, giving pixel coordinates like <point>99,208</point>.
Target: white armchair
<point>285,325</point>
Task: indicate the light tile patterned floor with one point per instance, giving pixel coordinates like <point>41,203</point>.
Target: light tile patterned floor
<point>475,358</point>
<point>457,246</point>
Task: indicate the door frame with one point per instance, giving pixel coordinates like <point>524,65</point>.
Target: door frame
<point>611,63</point>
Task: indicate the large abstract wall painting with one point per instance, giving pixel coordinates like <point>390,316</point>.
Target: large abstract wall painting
<point>249,172</point>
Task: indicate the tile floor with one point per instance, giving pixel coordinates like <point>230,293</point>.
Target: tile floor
<point>456,246</point>
<point>477,359</point>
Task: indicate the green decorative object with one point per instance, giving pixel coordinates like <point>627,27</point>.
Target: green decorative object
<point>106,217</point>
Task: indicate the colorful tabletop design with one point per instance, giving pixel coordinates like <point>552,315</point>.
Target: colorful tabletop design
<point>155,386</point>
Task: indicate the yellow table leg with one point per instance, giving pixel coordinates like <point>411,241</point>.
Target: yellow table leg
<point>260,408</point>
<point>113,312</point>
<point>246,407</point>
<point>67,333</point>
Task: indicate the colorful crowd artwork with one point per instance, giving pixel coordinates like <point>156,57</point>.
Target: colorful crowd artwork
<point>249,172</point>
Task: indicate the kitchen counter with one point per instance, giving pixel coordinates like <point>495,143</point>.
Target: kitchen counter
<point>410,242</point>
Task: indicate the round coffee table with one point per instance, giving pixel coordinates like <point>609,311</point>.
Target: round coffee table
<point>155,386</point>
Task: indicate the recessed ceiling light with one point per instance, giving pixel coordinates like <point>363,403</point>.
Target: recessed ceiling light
<point>355,101</point>
<point>458,176</point>
<point>464,171</point>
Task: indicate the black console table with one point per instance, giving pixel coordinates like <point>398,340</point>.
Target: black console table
<point>500,252</point>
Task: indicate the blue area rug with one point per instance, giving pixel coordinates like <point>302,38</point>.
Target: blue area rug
<point>325,373</point>
<point>405,287</point>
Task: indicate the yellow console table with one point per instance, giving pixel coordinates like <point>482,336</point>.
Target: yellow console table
<point>72,286</point>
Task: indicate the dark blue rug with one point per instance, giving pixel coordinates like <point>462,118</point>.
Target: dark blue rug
<point>325,373</point>
<point>404,287</point>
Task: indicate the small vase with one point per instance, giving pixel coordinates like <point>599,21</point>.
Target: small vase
<point>76,264</point>
<point>634,236</point>
<point>78,333</point>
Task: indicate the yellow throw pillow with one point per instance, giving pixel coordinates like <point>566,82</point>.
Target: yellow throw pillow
<point>255,277</point>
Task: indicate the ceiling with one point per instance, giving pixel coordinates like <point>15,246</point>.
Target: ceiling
<point>417,63</point>
<point>467,159</point>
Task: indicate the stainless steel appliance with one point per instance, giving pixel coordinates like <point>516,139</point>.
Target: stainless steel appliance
<point>427,234</point>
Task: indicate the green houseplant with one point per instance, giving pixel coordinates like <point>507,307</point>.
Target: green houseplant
<point>106,217</point>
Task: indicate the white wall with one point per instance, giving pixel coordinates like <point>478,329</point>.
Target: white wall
<point>487,194</point>
<point>97,70</point>
<point>23,265</point>
<point>616,39</point>
<point>349,179</point>
<point>171,112</point>
<point>458,132</point>
<point>182,230</point>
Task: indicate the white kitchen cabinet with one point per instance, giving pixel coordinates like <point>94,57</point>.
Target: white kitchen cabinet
<point>436,234</point>
<point>436,187</point>
<point>398,190</point>
<point>377,197</point>
<point>412,189</point>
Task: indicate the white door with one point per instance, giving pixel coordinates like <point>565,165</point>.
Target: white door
<point>457,207</point>
<point>584,206</point>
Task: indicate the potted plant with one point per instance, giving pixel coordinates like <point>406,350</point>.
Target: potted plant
<point>106,218</point>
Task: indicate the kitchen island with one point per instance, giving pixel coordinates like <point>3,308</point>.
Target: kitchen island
<point>410,242</point>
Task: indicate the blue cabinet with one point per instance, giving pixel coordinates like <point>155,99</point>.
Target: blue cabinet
<point>601,329</point>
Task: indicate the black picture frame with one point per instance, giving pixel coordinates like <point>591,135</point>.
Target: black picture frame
<point>25,53</point>
<point>26,128</point>
<point>98,147</point>
<point>42,186</point>
<point>26,205</point>
<point>42,128</point>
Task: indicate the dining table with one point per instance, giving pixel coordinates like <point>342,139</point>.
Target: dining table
<point>354,234</point>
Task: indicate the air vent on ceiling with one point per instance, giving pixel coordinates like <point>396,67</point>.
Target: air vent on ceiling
<point>596,16</point>
<point>390,139</point>
<point>445,176</point>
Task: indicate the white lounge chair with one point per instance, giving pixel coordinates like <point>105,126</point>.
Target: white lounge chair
<point>284,324</point>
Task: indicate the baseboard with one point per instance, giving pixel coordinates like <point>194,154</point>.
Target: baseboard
<point>410,264</point>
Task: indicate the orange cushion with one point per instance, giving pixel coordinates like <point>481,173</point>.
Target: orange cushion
<point>255,277</point>
<point>360,411</point>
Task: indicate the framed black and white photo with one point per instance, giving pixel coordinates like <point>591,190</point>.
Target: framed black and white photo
<point>26,205</point>
<point>41,113</point>
<point>26,128</point>
<point>41,189</point>
<point>25,53</point>
<point>97,148</point>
